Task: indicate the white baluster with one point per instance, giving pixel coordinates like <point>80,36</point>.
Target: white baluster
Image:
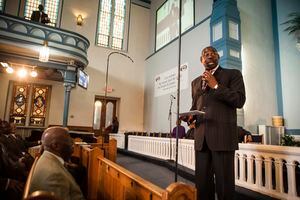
<point>242,168</point>
<point>258,171</point>
<point>236,171</point>
<point>250,169</point>
<point>268,173</point>
<point>279,175</point>
<point>291,178</point>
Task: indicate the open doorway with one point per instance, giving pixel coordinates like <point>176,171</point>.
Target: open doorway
<point>103,115</point>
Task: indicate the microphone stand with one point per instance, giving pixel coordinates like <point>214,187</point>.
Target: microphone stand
<point>178,89</point>
<point>170,119</point>
<point>106,138</point>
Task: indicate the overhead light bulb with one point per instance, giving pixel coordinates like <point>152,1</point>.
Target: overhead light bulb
<point>9,70</point>
<point>44,52</point>
<point>33,73</point>
<point>5,65</point>
<point>22,73</point>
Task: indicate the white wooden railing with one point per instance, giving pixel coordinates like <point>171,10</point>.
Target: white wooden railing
<point>253,163</point>
<point>251,160</point>
<point>120,139</point>
<point>164,148</point>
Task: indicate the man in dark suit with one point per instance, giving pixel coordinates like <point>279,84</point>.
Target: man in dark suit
<point>40,15</point>
<point>218,92</point>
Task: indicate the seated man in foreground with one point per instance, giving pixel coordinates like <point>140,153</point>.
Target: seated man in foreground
<point>50,173</point>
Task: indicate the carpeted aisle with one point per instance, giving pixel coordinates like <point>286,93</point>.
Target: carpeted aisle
<point>159,173</point>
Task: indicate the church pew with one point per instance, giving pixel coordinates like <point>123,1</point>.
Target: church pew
<point>89,161</point>
<point>115,182</point>
<point>107,180</point>
<point>110,149</point>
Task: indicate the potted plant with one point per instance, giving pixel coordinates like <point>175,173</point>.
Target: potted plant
<point>293,26</point>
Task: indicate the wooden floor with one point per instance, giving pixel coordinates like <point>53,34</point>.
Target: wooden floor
<point>157,173</point>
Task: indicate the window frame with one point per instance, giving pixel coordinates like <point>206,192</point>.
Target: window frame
<point>125,30</point>
<point>59,12</point>
<point>3,3</point>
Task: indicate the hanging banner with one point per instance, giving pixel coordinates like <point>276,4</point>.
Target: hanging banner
<point>166,82</point>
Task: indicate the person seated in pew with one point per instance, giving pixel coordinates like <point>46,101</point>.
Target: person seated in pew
<point>181,130</point>
<point>13,169</point>
<point>10,187</point>
<point>15,156</point>
<point>114,127</point>
<point>17,141</point>
<point>244,135</point>
<point>50,174</point>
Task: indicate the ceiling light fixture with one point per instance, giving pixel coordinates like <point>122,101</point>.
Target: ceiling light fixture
<point>22,73</point>
<point>44,52</point>
<point>9,70</point>
<point>5,65</point>
<point>33,73</point>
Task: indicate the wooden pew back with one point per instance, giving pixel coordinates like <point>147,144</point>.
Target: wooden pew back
<point>115,182</point>
<point>89,161</point>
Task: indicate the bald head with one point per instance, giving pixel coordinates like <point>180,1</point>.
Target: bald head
<point>58,141</point>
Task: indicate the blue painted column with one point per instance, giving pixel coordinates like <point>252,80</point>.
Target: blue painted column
<point>225,30</point>
<point>69,83</point>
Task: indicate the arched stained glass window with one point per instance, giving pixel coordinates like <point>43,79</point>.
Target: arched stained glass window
<point>51,8</point>
<point>112,17</point>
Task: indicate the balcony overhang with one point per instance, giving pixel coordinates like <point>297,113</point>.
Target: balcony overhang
<point>21,40</point>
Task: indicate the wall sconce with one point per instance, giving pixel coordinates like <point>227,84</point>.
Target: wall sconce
<point>79,20</point>
<point>44,53</point>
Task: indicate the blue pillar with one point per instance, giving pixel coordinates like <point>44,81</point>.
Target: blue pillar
<point>225,30</point>
<point>69,83</point>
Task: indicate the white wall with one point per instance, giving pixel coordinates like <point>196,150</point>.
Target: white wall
<point>157,108</point>
<point>289,65</point>
<point>126,78</point>
<point>258,62</point>
<point>258,65</point>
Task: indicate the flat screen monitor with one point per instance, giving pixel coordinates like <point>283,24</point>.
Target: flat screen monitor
<point>167,21</point>
<point>83,79</point>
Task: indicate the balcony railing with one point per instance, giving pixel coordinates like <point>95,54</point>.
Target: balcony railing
<point>21,39</point>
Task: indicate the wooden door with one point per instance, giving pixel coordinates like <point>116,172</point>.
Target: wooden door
<point>106,111</point>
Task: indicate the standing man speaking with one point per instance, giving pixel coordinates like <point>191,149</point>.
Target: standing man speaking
<point>218,92</point>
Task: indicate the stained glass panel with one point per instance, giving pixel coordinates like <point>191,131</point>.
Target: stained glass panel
<point>19,104</point>
<point>39,105</point>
